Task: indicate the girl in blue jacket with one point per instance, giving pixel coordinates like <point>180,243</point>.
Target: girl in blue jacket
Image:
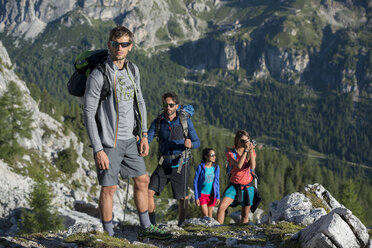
<point>207,183</point>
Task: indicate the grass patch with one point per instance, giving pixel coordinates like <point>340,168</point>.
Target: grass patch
<point>38,165</point>
<point>316,202</point>
<point>162,34</point>
<point>280,233</point>
<point>99,240</point>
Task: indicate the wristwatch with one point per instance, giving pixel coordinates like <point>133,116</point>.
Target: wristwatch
<point>245,150</point>
<point>145,136</point>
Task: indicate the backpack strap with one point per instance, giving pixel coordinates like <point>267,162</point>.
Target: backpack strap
<point>131,68</point>
<point>157,126</point>
<point>185,127</point>
<point>105,92</point>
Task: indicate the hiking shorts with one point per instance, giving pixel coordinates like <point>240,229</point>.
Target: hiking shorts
<point>231,193</point>
<point>164,174</point>
<point>124,159</point>
<point>209,199</point>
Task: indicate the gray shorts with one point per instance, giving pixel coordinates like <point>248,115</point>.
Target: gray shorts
<point>124,159</point>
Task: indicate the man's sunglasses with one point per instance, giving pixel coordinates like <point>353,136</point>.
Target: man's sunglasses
<point>165,105</point>
<point>123,44</point>
<point>212,155</point>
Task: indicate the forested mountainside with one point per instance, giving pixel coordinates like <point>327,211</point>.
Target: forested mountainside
<point>295,74</point>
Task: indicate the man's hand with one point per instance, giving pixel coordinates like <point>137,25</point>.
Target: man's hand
<point>102,160</point>
<point>218,202</point>
<point>197,202</point>
<point>144,147</point>
<point>188,143</point>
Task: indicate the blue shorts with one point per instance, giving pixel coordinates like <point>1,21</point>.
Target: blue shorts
<point>231,193</point>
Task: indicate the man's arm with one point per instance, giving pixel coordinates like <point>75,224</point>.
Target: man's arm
<point>217,182</point>
<point>144,145</point>
<point>141,102</point>
<point>91,100</point>
<point>193,135</point>
<point>151,131</point>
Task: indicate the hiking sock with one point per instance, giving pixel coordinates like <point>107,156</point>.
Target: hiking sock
<point>108,227</point>
<point>144,219</point>
<point>152,218</point>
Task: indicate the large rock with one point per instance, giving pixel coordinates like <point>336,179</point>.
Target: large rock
<point>14,190</point>
<point>298,208</point>
<point>339,228</point>
<point>323,195</point>
<point>295,208</point>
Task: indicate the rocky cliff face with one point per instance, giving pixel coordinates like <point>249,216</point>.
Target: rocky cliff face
<point>147,19</point>
<point>315,43</point>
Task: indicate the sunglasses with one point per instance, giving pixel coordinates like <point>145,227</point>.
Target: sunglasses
<point>212,155</point>
<point>123,44</point>
<point>165,105</point>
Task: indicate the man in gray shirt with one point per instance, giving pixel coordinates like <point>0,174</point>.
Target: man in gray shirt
<point>113,125</point>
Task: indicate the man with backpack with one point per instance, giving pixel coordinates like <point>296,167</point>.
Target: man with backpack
<point>114,124</point>
<point>176,136</point>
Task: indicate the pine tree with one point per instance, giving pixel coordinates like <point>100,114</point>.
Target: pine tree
<point>42,216</point>
<point>350,199</point>
<point>15,121</point>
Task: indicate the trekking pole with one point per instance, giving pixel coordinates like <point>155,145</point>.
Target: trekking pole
<point>185,177</point>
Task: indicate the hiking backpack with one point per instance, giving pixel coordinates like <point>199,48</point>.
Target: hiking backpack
<point>184,112</point>
<point>84,64</point>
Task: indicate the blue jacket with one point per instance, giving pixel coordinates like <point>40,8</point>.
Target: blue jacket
<point>200,177</point>
<point>171,138</point>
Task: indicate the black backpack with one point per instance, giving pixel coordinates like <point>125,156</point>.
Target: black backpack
<point>84,64</point>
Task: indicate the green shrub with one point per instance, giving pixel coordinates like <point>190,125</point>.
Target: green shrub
<point>42,217</point>
<point>66,161</point>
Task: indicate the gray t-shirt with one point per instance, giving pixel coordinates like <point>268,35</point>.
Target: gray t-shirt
<point>125,88</point>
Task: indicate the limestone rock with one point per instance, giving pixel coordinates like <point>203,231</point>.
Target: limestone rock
<point>205,221</point>
<point>295,208</point>
<point>339,228</point>
<point>324,195</point>
<point>229,58</point>
<point>27,19</point>
<point>83,228</point>
<point>14,190</point>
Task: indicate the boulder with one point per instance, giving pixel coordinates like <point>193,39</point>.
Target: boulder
<point>339,228</point>
<point>299,208</point>
<point>324,196</point>
<point>295,208</point>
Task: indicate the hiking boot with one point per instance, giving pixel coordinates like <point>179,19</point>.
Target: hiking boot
<point>153,232</point>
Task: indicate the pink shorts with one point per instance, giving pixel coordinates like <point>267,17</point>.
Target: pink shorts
<point>207,199</point>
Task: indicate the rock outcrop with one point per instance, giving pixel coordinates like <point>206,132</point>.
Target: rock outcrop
<point>339,228</point>
<point>299,208</point>
<point>28,19</point>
